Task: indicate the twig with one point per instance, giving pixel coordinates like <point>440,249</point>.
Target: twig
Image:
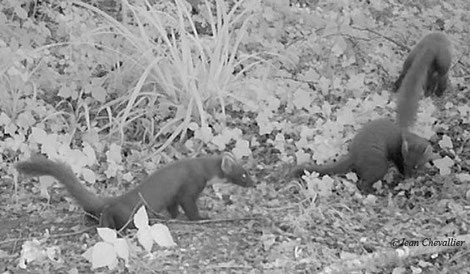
<point>134,210</point>
<point>391,256</point>
<point>384,37</point>
<point>10,240</point>
<point>72,233</point>
<point>149,208</point>
<point>60,235</point>
<point>211,221</point>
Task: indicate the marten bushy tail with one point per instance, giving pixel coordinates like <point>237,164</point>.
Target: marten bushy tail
<point>410,91</point>
<point>39,166</point>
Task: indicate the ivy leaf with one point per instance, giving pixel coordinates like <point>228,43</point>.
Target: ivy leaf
<point>31,251</point>
<point>302,99</point>
<point>321,186</point>
<point>51,146</point>
<point>446,142</point>
<point>444,165</point>
<point>339,46</point>
<point>204,134</point>
<point>242,148</point>
<point>21,12</point>
<point>114,159</point>
<point>65,92</point>
<point>25,120</point>
<point>302,157</point>
<point>114,154</point>
<point>38,135</point>
<point>99,93</point>
<point>89,154</point>
<point>464,110</point>
<point>279,143</point>
<point>88,175</point>
<point>463,177</point>
<point>311,75</point>
<point>370,200</point>
<point>44,183</point>
<point>356,82</point>
<point>91,136</point>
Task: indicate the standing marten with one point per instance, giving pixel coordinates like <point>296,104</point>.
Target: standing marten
<point>176,184</point>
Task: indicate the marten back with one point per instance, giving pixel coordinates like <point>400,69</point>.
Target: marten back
<point>432,58</point>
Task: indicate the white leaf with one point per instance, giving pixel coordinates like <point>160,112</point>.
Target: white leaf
<point>31,251</point>
<point>325,186</point>
<point>44,183</point>
<point>88,255</point>
<point>463,177</point>
<point>103,254</point>
<point>242,148</point>
<point>107,234</point>
<point>128,177</point>
<point>89,152</point>
<point>145,238</point>
<point>162,236</point>
<point>370,200</point>
<point>446,142</point>
<point>122,249</point>
<point>141,219</point>
<point>444,165</point>
<point>114,154</point>
<point>38,135</point>
<point>88,175</point>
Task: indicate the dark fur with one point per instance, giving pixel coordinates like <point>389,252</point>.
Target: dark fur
<point>382,141</point>
<point>177,184</point>
<point>374,146</point>
<point>426,67</point>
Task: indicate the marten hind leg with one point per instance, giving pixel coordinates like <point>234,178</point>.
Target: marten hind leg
<point>173,209</point>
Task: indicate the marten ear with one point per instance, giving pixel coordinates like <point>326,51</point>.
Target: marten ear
<point>429,155</point>
<point>228,162</point>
